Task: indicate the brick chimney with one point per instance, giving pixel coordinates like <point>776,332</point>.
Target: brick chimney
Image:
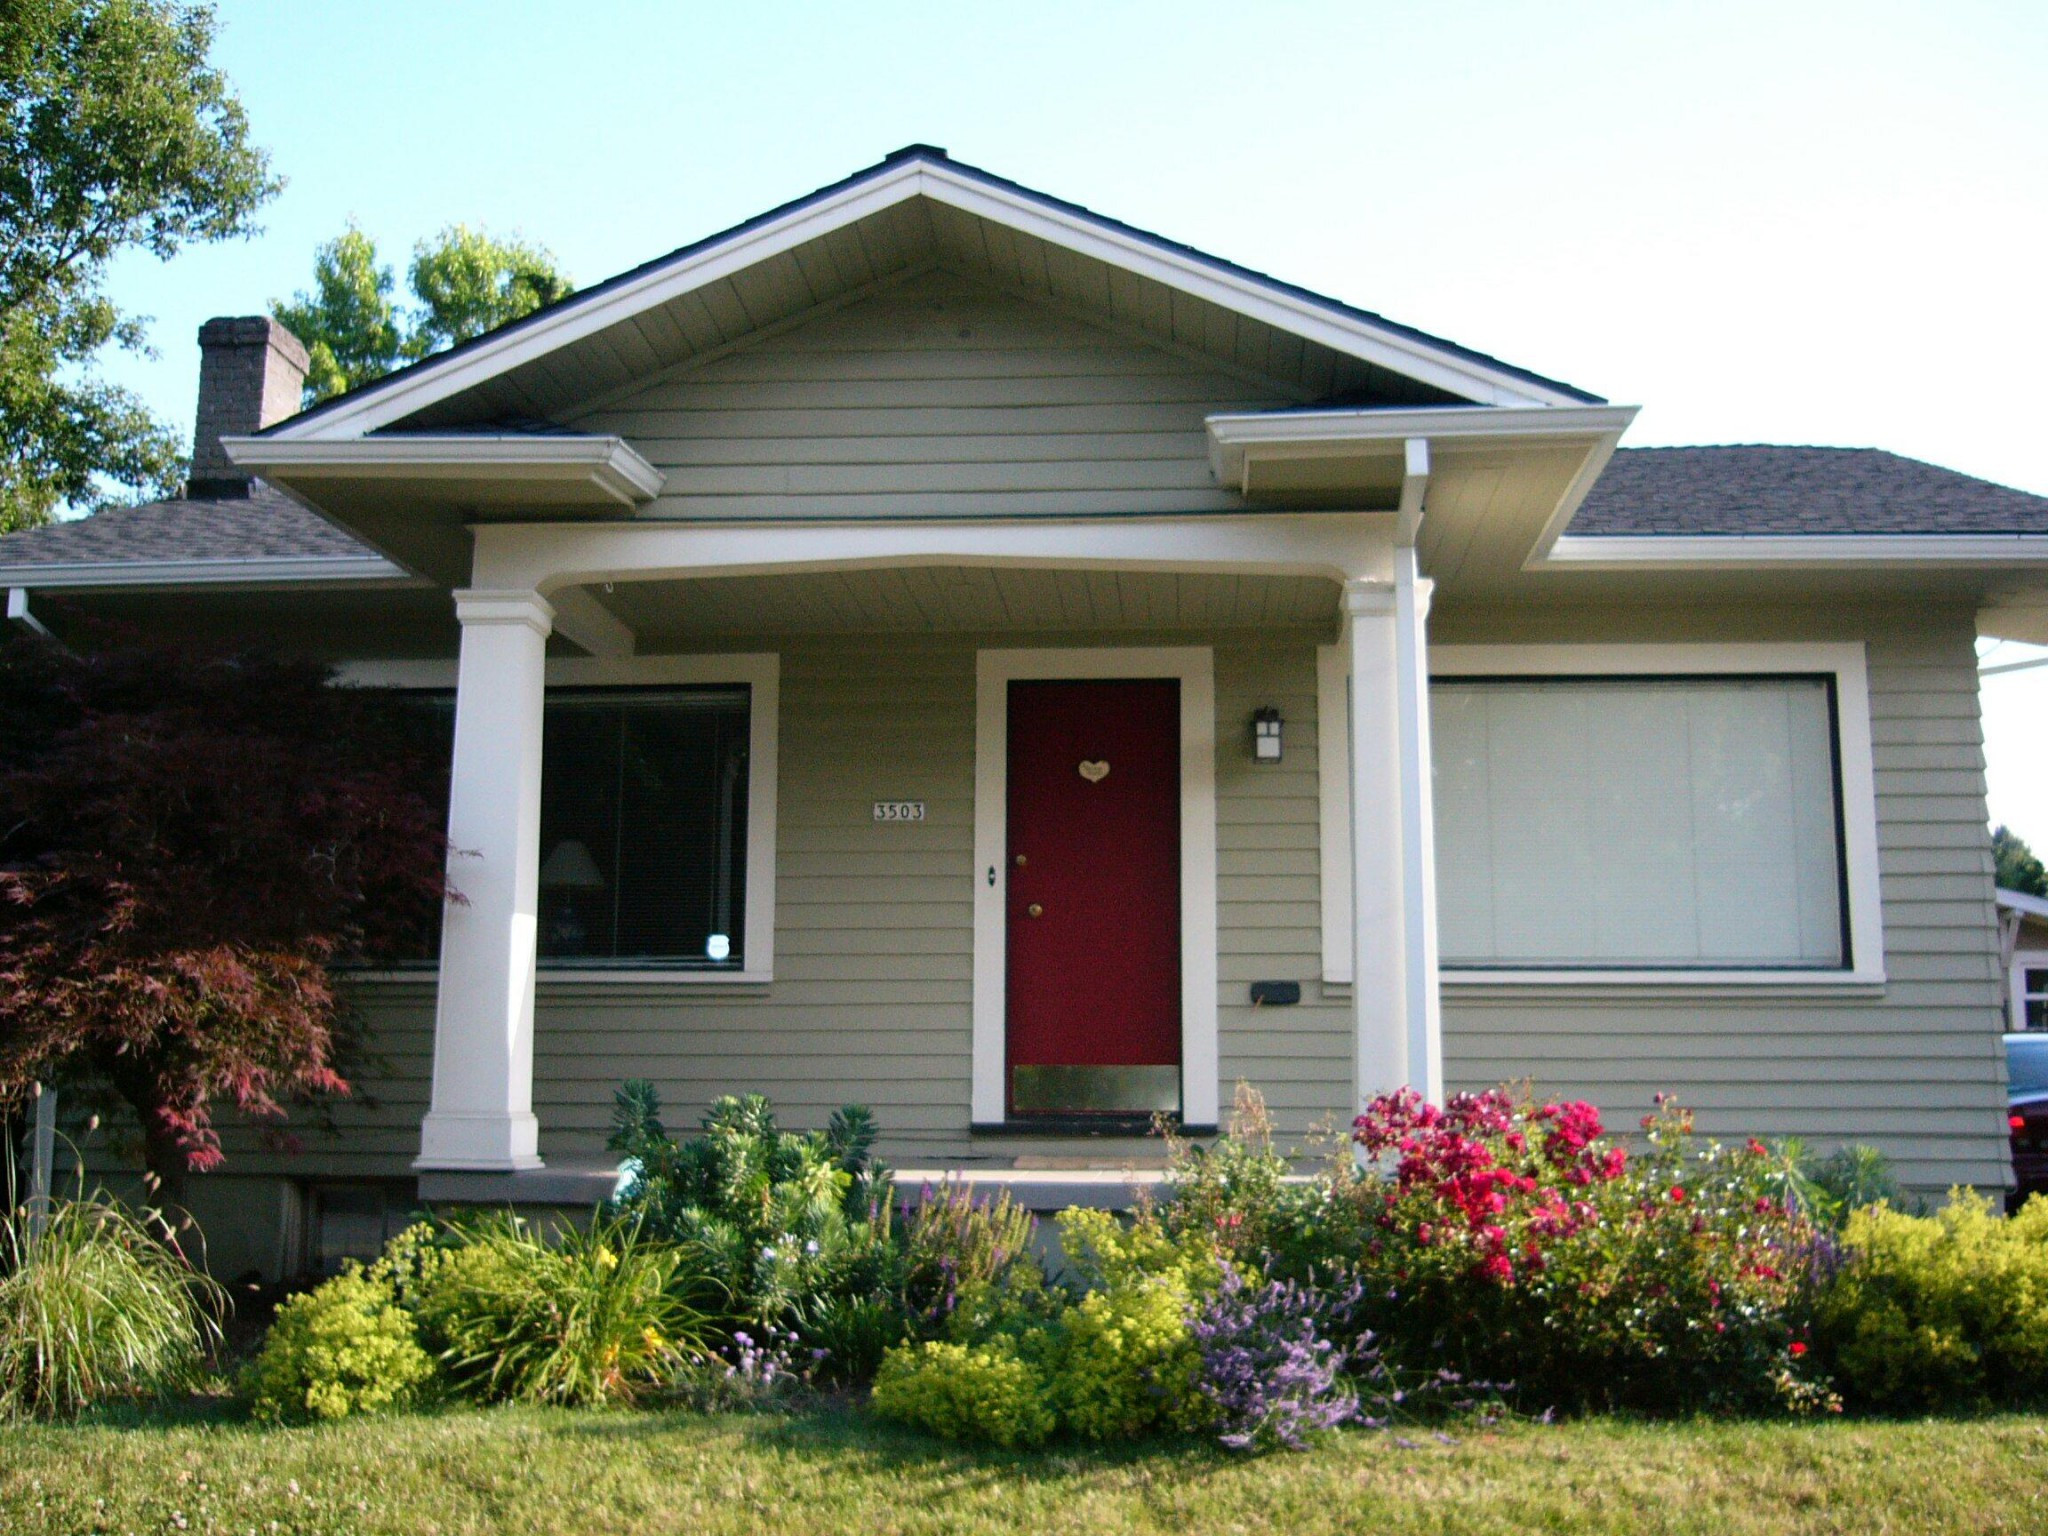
<point>250,373</point>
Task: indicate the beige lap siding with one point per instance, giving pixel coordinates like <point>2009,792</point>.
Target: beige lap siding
<point>941,396</point>
<point>1917,1070</point>
<point>871,1001</point>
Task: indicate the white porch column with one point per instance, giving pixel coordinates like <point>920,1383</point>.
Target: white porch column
<point>482,1112</point>
<point>1424,1014</point>
<point>1393,864</point>
<point>1378,953</point>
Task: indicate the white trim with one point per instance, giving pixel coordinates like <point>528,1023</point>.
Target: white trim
<point>287,570</point>
<point>547,556</point>
<point>609,464</point>
<point>762,672</point>
<point>1859,787</point>
<point>1237,437</point>
<point>1195,668</point>
<point>1333,799</point>
<point>1259,299</point>
<point>1649,552</point>
<point>18,613</point>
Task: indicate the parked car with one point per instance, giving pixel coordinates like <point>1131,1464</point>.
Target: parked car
<point>2026,1096</point>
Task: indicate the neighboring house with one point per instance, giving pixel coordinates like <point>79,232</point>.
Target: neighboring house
<point>938,647</point>
<point>2023,940</point>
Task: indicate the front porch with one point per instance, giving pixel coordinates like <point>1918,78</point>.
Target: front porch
<point>869,962</point>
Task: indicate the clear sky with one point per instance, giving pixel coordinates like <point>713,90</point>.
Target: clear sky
<point>1785,222</point>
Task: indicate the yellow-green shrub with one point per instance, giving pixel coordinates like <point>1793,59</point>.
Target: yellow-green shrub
<point>1949,1310</point>
<point>1126,1362</point>
<point>344,1348</point>
<point>961,1392</point>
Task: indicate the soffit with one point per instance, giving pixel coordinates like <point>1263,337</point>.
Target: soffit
<point>956,599</point>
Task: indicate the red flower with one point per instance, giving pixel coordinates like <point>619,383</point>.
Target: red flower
<point>1678,1194</point>
<point>1798,1349</point>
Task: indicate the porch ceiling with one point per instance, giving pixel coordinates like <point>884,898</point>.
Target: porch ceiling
<point>933,599</point>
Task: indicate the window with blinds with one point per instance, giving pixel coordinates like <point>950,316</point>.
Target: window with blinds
<point>1638,823</point>
<point>643,828</point>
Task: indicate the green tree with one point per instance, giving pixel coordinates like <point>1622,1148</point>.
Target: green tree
<point>2018,869</point>
<point>118,136</point>
<point>463,282</point>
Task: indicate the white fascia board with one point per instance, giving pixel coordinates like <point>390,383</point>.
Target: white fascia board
<point>1241,293</point>
<point>306,570</point>
<point>1651,551</point>
<point>2020,901</point>
<point>609,463</point>
<point>1325,434</point>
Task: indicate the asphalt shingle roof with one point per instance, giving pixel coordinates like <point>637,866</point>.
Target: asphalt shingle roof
<point>1644,492</point>
<point>265,524</point>
<point>1756,489</point>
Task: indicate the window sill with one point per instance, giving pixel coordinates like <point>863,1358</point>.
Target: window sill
<point>1695,984</point>
<point>593,976</point>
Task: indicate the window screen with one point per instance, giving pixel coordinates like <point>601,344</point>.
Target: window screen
<point>643,828</point>
<point>1652,823</point>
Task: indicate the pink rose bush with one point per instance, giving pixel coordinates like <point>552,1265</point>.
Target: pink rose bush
<point>1512,1241</point>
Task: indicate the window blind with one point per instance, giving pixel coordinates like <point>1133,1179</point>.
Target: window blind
<point>1637,823</point>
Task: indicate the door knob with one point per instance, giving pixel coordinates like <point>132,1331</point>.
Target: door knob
<point>1035,910</point>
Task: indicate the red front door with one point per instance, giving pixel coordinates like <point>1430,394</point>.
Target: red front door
<point>1094,897</point>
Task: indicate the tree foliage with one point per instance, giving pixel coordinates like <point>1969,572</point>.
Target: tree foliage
<point>2018,868</point>
<point>463,282</point>
<point>188,841</point>
<point>119,136</point>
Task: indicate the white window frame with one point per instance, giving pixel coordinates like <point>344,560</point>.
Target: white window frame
<point>1845,662</point>
<point>761,672</point>
<point>1195,669</point>
<point>2023,960</point>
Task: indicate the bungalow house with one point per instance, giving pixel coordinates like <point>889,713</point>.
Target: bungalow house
<point>936,646</point>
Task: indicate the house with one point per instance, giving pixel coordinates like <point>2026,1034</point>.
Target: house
<point>936,646</point>
<point>2023,945</point>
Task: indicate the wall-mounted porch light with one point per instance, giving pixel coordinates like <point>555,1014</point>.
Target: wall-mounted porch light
<point>1266,735</point>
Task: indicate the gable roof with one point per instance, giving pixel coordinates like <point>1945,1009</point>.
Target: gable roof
<point>1755,489</point>
<point>916,209</point>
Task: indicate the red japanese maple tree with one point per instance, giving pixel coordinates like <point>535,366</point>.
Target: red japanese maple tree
<point>189,841</point>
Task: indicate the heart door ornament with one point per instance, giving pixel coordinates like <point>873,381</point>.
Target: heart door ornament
<point>1094,772</point>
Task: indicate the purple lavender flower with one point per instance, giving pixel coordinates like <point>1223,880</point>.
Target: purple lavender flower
<point>1273,1377</point>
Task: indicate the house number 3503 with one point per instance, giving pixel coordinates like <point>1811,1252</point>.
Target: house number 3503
<point>899,810</point>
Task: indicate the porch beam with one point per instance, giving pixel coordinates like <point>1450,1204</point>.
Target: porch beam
<point>582,618</point>
<point>545,558</point>
<point>481,1117</point>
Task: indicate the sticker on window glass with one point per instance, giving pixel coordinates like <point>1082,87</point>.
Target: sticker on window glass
<point>718,947</point>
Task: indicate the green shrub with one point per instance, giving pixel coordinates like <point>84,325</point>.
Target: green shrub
<point>1233,1195</point>
<point>968,1266</point>
<point>1942,1311</point>
<point>345,1347</point>
<point>97,1306</point>
<point>1126,1362</point>
<point>982,1392</point>
<point>794,1229</point>
<point>592,1317</point>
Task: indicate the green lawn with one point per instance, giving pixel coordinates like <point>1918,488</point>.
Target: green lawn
<point>618,1473</point>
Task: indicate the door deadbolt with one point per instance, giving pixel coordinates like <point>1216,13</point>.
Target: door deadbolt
<point>1035,910</point>
<point>1020,861</point>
